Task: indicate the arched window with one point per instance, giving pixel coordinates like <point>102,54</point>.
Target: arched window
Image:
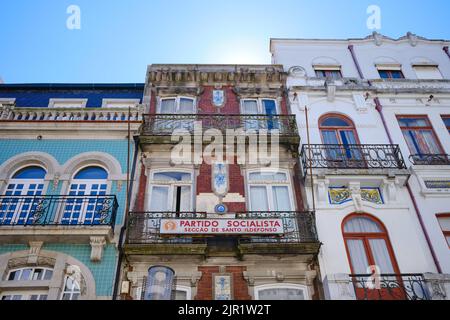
<point>22,189</point>
<point>283,291</point>
<point>337,129</point>
<point>368,247</point>
<point>159,284</point>
<point>25,289</point>
<point>87,187</point>
<point>341,140</point>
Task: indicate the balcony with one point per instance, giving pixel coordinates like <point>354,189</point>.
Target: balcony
<point>430,159</point>
<point>10,113</point>
<point>358,159</point>
<point>158,128</point>
<point>390,287</point>
<point>58,218</point>
<point>298,235</point>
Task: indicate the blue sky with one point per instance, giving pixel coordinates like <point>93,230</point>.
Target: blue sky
<point>119,38</point>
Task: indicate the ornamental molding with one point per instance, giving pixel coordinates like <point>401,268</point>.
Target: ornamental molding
<point>97,245</point>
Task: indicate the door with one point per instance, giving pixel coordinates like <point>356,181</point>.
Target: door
<point>24,189</point>
<point>369,250</point>
<point>86,199</point>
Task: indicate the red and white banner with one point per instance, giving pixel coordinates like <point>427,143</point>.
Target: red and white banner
<point>222,226</point>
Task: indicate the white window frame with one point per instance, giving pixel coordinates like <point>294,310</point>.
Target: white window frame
<point>31,274</point>
<point>63,290</point>
<point>177,103</point>
<point>326,67</point>
<point>77,103</point>
<point>259,103</point>
<point>171,184</point>
<point>269,184</point>
<point>120,103</point>
<point>282,286</point>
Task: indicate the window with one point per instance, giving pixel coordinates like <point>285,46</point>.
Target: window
<point>334,73</point>
<point>71,290</point>
<point>446,120</point>
<point>177,105</point>
<point>264,113</point>
<point>23,187</point>
<point>159,283</point>
<point>119,103</point>
<point>391,74</point>
<point>280,292</point>
<point>427,72</point>
<point>24,295</point>
<point>444,223</point>
<point>270,191</point>
<point>30,274</point>
<point>86,205</point>
<point>419,135</point>
<point>171,191</point>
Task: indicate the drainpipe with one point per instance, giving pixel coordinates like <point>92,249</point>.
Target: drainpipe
<point>379,108</point>
<point>124,226</point>
<point>355,61</point>
<point>446,51</point>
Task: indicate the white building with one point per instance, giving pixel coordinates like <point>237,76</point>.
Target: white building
<point>377,209</point>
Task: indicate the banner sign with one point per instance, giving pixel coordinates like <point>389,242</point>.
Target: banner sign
<point>222,226</point>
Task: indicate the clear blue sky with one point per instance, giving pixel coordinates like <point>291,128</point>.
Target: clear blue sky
<point>119,38</point>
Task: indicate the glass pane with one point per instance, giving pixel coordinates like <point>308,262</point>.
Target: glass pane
<point>413,122</point>
<point>186,106</point>
<point>362,224</point>
<point>267,176</point>
<point>269,107</point>
<point>180,295</point>
<point>185,198</point>
<point>358,256</point>
<point>92,173</point>
<point>48,275</point>
<point>281,200</point>
<point>250,107</point>
<point>381,256</point>
<point>281,294</point>
<point>30,173</point>
<point>258,198</point>
<point>444,222</point>
<point>160,199</point>
<point>335,122</point>
<point>26,274</point>
<point>172,176</point>
<point>329,137</point>
<point>168,106</point>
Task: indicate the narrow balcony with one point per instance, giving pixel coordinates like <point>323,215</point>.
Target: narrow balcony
<point>356,158</point>
<point>390,287</point>
<point>244,233</point>
<point>55,217</point>
<point>158,128</point>
<point>430,159</point>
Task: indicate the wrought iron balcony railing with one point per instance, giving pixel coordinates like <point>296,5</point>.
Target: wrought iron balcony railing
<point>355,156</point>
<point>144,228</point>
<point>51,210</point>
<point>390,287</point>
<point>430,159</point>
<point>165,124</point>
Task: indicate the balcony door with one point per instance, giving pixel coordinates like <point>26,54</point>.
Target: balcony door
<point>341,140</point>
<point>420,137</point>
<point>367,246</point>
<point>88,187</point>
<point>260,114</point>
<point>23,187</point>
<point>171,191</point>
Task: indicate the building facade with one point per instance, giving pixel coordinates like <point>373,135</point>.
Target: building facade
<point>262,244</point>
<point>63,178</point>
<point>374,112</point>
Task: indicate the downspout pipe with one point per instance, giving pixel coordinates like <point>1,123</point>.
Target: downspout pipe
<point>379,108</point>
<point>124,226</point>
<point>446,51</point>
<point>355,61</point>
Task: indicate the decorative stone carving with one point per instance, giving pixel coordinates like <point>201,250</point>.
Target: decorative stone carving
<point>412,39</point>
<point>377,38</point>
<point>279,276</point>
<point>97,244</point>
<point>55,181</point>
<point>356,195</point>
<point>331,90</point>
<point>33,253</point>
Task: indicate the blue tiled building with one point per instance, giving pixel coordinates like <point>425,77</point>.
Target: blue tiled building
<point>63,182</point>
